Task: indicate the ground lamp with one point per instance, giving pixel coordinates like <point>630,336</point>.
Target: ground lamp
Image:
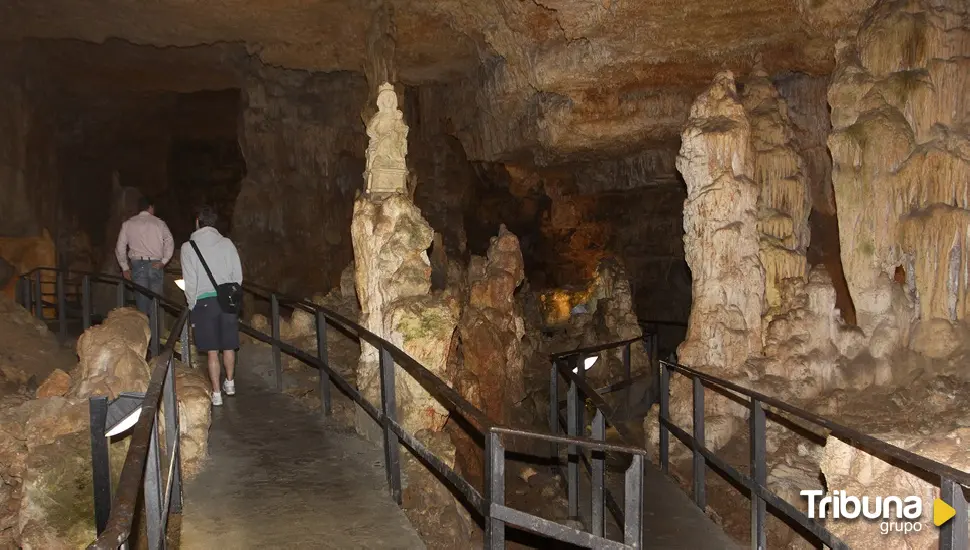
<point>108,419</point>
<point>587,363</point>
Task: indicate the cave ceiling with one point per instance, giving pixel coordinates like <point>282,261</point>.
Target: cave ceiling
<point>619,71</point>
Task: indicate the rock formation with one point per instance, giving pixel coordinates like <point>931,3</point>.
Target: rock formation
<point>721,240</point>
<point>784,201</point>
<point>901,166</point>
<point>491,330</point>
<point>45,468</point>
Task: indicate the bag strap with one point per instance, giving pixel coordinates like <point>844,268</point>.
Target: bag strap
<point>205,265</point>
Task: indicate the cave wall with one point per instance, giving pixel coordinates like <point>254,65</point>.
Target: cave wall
<point>304,142</point>
<point>28,168</point>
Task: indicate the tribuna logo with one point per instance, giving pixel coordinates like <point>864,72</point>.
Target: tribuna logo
<point>896,513</point>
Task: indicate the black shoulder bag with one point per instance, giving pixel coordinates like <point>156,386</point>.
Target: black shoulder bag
<point>229,295</point>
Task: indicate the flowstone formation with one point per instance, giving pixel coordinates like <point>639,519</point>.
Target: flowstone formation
<point>901,165</point>
<point>45,496</point>
<point>780,173</point>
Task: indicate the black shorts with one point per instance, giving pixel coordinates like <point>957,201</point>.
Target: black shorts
<point>215,330</point>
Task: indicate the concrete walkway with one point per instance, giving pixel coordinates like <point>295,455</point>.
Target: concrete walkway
<point>278,478</point>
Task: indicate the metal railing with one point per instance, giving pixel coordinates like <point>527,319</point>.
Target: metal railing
<point>952,482</point>
<point>490,506</point>
<point>569,365</point>
<point>953,534</point>
<point>142,480</point>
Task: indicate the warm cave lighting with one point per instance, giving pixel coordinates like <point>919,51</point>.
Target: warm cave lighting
<point>587,363</point>
<point>181,284</point>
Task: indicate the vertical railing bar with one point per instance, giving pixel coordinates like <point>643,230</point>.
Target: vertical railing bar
<point>495,487</point>
<point>572,474</point>
<point>277,357</point>
<point>627,367</point>
<point>86,302</point>
<point>700,464</point>
<point>579,365</point>
<point>121,293</point>
<point>186,345</point>
<point>155,327</point>
<point>153,491</point>
<point>39,304</point>
<point>633,504</point>
<point>326,405</point>
<point>598,474</point>
<point>100,464</point>
<point>61,306</point>
<point>392,458</point>
<point>757,428</point>
<point>170,402</point>
<point>664,415</point>
<point>953,533</point>
<point>554,408</point>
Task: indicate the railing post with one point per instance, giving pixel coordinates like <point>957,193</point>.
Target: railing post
<point>392,458</point>
<point>121,293</point>
<point>953,534</point>
<point>627,367</point>
<point>61,307</point>
<point>554,407</point>
<point>756,435</point>
<point>153,491</point>
<point>700,466</point>
<point>572,427</point>
<point>186,346</point>
<point>495,490</point>
<point>172,430</point>
<point>23,292</point>
<point>39,304</point>
<point>579,365</point>
<point>100,465</point>
<point>277,358</point>
<point>633,504</point>
<point>86,302</point>
<point>326,405</point>
<point>155,325</point>
<point>664,415</point>
<point>598,473</point>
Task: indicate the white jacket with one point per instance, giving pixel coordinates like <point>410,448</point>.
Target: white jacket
<point>220,255</point>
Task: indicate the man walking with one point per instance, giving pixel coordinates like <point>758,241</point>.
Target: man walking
<point>213,261</point>
<point>147,242</point>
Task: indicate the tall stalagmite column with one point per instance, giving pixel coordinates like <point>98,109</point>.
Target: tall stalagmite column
<point>721,241</point>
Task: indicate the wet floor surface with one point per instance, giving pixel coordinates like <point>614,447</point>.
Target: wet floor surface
<point>277,477</point>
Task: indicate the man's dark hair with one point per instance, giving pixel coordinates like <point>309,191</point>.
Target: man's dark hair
<point>145,203</point>
<point>207,217</point>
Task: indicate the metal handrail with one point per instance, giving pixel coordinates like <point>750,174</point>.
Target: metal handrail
<point>114,518</point>
<point>952,482</point>
<point>125,501</point>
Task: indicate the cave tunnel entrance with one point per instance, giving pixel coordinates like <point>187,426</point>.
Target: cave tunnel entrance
<point>179,148</point>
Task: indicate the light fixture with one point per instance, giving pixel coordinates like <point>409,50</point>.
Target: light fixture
<point>181,284</point>
<point>587,363</point>
<point>123,413</point>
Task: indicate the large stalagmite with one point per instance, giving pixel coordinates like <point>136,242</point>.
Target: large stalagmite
<point>393,281</point>
<point>721,245</point>
<point>902,164</point>
<point>721,242</point>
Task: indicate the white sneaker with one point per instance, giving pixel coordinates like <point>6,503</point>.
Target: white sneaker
<point>216,399</point>
<point>229,386</point>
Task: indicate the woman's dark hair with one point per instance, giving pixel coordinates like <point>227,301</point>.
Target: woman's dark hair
<point>207,217</point>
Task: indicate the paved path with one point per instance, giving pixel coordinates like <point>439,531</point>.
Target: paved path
<point>278,478</point>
